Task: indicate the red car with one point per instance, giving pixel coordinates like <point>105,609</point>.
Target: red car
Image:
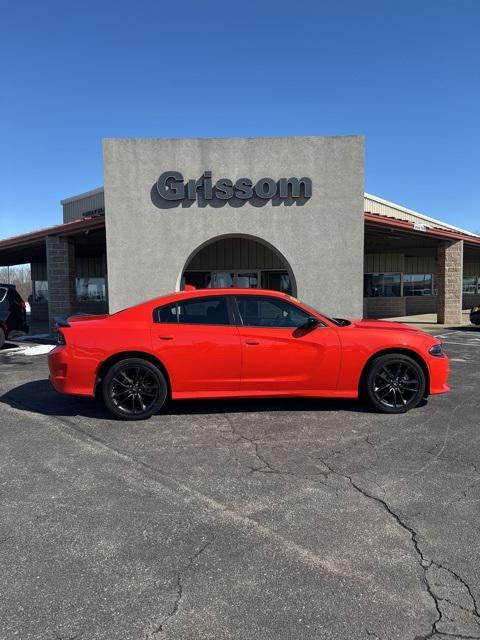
<point>231,343</point>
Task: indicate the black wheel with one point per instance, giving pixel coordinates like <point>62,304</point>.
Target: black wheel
<point>134,389</point>
<point>395,383</point>
<point>2,337</point>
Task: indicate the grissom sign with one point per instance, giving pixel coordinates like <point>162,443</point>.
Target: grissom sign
<point>172,186</point>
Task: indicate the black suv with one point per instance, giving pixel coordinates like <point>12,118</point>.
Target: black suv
<point>475,315</point>
<point>13,312</point>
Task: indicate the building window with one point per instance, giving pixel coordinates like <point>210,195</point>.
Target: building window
<point>90,289</point>
<point>418,284</point>
<point>197,279</point>
<point>277,281</point>
<point>382,285</point>
<point>471,284</point>
<point>40,290</point>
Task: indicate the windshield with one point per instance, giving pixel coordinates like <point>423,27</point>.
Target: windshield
<point>339,322</point>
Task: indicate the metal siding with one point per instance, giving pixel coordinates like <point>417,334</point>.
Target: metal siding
<point>471,269</point>
<point>420,264</point>
<point>390,210</point>
<point>235,253</point>
<point>90,267</point>
<point>76,209</point>
<point>38,271</point>
<point>384,262</point>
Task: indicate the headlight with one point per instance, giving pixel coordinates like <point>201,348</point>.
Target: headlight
<point>437,350</point>
<point>475,310</point>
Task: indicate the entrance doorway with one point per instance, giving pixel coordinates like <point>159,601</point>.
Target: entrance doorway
<point>238,261</point>
<point>240,279</point>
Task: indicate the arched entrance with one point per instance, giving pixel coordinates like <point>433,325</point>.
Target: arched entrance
<point>238,261</point>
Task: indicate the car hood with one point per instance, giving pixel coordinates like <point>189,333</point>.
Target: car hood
<point>384,325</point>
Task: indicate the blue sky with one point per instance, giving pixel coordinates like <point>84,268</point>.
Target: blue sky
<point>405,74</point>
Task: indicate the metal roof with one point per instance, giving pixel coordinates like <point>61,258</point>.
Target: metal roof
<point>387,209</point>
<point>64,229</point>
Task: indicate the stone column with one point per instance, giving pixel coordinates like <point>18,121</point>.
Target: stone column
<point>450,282</point>
<point>61,278</point>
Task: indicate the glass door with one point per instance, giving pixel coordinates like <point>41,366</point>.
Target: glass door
<point>240,279</point>
<point>247,280</point>
<point>222,280</point>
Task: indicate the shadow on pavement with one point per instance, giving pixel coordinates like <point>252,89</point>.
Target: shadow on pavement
<point>7,346</point>
<point>39,397</point>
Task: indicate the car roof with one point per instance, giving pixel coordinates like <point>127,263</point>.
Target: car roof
<point>228,291</point>
<point>170,298</point>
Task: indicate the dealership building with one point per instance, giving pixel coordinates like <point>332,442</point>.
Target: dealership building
<point>288,214</point>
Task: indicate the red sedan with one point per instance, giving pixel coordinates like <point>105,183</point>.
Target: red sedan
<point>229,343</point>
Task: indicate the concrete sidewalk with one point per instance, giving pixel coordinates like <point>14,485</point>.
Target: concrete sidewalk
<point>428,322</point>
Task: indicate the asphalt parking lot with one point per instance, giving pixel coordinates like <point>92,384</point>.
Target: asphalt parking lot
<point>249,520</point>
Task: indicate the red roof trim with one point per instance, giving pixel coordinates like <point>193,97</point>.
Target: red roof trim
<point>65,229</point>
<point>98,222</point>
<point>434,232</point>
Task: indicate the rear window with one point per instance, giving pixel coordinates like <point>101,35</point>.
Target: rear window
<point>210,311</point>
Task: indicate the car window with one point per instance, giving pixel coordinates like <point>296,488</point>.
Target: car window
<point>3,293</point>
<point>167,314</point>
<point>269,312</point>
<point>211,310</point>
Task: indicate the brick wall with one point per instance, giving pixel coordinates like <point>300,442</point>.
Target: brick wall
<point>420,304</point>
<point>449,282</point>
<point>383,307</point>
<point>61,278</point>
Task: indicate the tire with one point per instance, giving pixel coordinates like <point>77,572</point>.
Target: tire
<point>394,383</point>
<point>134,389</point>
<point>2,337</point>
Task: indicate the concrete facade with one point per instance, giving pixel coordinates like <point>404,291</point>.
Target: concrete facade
<point>450,278</point>
<point>320,239</point>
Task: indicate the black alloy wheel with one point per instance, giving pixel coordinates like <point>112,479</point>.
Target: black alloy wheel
<point>134,389</point>
<point>395,383</point>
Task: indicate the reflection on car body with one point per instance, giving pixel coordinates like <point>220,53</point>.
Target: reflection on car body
<point>227,343</point>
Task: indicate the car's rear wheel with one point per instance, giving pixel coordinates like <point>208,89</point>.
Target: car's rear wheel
<point>395,383</point>
<point>134,389</point>
<point>2,337</point>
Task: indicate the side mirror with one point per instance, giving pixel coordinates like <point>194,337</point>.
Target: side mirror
<point>310,323</point>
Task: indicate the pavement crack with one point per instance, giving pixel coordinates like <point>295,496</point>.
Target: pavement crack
<point>179,587</point>
<point>425,563</point>
<point>267,467</point>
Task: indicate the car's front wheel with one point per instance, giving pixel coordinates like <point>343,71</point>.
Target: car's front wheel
<point>395,383</point>
<point>134,389</point>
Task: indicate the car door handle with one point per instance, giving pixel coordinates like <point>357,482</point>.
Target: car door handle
<point>252,342</point>
<point>166,337</point>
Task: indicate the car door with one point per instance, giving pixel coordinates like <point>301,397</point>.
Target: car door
<point>278,355</point>
<point>199,344</point>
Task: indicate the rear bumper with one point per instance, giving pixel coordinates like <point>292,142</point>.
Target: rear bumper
<point>67,375</point>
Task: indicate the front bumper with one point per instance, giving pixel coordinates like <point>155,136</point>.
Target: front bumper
<point>439,372</point>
